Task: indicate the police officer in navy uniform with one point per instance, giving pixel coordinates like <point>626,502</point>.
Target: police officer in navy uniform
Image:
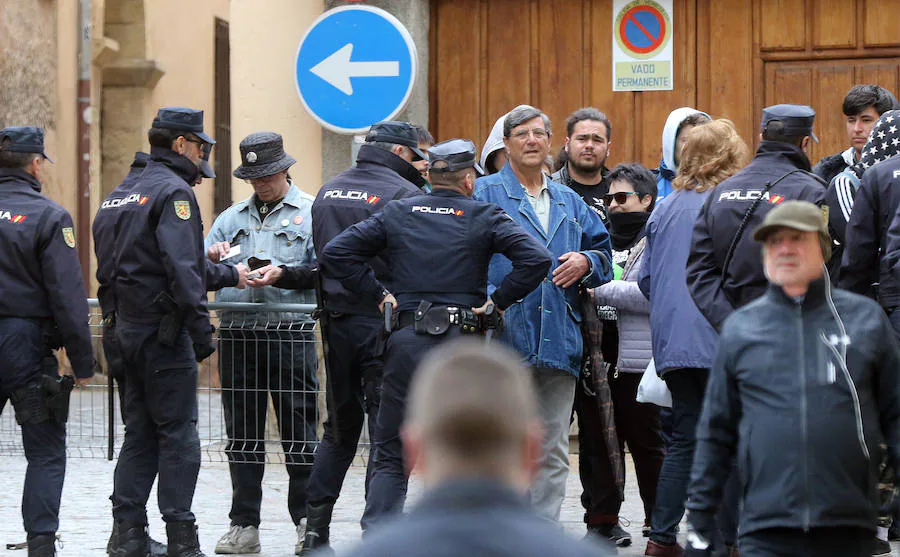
<point>163,329</point>
<point>384,171</point>
<point>43,307</point>
<point>439,247</point>
<point>724,270</point>
<point>103,230</point>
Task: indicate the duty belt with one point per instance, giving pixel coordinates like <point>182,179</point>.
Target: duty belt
<point>436,320</point>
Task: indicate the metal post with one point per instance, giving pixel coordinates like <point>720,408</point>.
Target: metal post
<point>83,210</point>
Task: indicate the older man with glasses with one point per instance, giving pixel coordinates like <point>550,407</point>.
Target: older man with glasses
<point>544,327</point>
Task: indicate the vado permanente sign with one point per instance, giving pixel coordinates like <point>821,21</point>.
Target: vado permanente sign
<point>642,45</point>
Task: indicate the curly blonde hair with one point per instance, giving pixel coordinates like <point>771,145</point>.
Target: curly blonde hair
<point>711,153</point>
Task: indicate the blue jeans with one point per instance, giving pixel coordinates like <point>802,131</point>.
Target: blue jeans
<point>688,387</point>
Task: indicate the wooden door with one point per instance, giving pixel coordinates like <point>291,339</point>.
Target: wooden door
<point>731,58</point>
<point>487,56</point>
<point>816,59</point>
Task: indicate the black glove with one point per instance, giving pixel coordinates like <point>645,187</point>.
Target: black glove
<point>701,532</point>
<point>203,351</point>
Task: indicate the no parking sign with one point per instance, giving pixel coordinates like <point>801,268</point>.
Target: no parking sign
<point>642,45</point>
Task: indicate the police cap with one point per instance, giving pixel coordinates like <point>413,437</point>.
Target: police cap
<point>452,155</point>
<point>399,133</point>
<point>797,119</point>
<point>23,139</point>
<point>182,119</point>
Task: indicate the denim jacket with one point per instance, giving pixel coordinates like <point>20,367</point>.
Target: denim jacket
<point>284,236</point>
<point>545,325</point>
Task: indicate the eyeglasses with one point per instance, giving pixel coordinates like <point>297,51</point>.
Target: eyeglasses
<point>539,133</point>
<point>621,197</point>
<point>197,141</point>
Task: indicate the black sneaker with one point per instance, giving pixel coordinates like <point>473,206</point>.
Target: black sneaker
<point>611,532</point>
<point>881,548</point>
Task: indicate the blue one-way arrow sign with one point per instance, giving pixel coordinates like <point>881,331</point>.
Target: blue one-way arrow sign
<point>355,66</point>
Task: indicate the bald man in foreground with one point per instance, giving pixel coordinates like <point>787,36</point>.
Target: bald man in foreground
<point>473,433</point>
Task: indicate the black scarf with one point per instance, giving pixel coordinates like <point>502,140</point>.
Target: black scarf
<point>369,153</point>
<point>179,164</point>
<point>625,229</point>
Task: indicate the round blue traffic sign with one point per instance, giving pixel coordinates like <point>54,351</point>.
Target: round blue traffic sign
<point>355,66</point>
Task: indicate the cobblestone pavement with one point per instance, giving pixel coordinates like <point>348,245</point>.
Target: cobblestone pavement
<point>86,517</point>
<point>85,521</point>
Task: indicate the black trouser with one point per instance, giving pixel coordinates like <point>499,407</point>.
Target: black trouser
<point>590,451</point>
<point>387,489</point>
<point>160,426</point>
<point>25,358</point>
<point>818,542</point>
<point>253,365</point>
<point>638,425</point>
<point>354,379</point>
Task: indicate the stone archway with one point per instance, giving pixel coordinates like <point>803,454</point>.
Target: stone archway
<point>128,77</point>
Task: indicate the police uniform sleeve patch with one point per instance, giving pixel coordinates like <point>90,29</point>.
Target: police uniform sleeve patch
<point>183,209</point>
<point>69,236</point>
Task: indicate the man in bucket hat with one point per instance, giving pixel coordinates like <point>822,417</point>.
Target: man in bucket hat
<point>266,352</point>
<point>804,387</point>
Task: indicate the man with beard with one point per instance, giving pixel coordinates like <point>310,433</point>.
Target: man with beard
<point>586,149</point>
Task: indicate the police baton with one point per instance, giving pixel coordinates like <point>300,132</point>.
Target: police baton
<point>388,317</point>
<point>321,315</point>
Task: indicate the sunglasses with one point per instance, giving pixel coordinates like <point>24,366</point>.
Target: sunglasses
<point>620,197</point>
<point>202,144</point>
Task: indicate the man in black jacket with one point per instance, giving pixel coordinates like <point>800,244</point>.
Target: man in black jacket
<point>384,171</point>
<point>588,133</point>
<point>163,329</point>
<point>439,247</point>
<point>723,269</point>
<point>862,106</point>
<point>868,237</point>
<point>43,307</point>
<point>804,388</point>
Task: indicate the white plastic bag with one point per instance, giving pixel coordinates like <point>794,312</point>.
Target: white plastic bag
<point>653,389</point>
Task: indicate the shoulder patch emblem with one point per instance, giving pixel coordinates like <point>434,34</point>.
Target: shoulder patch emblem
<point>69,236</point>
<point>183,209</point>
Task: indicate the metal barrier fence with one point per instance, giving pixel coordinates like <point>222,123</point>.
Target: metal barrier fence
<point>262,391</point>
